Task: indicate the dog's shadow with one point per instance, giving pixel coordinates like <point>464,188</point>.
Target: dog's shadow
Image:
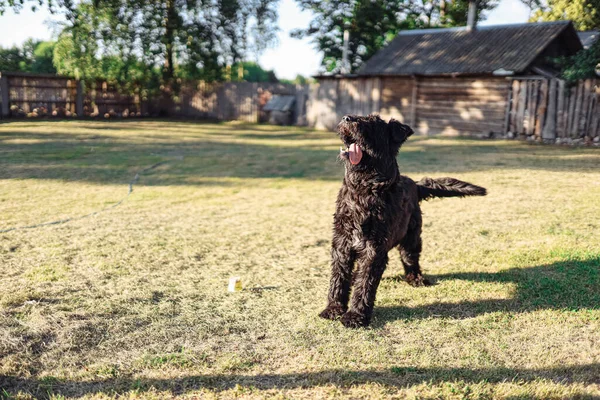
<point>569,285</point>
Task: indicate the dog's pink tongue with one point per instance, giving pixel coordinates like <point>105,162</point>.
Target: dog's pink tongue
<point>355,153</point>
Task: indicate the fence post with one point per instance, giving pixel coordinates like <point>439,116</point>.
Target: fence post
<point>79,99</point>
<point>508,109</point>
<point>549,128</point>
<point>4,101</point>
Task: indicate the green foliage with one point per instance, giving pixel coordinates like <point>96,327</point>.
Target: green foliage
<point>133,43</point>
<point>11,59</point>
<point>42,61</point>
<point>374,23</point>
<point>582,65</point>
<point>94,46</point>
<point>298,80</point>
<point>585,14</point>
<point>33,56</point>
<point>252,72</point>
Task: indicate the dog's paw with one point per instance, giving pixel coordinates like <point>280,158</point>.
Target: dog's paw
<point>417,280</point>
<point>353,319</point>
<point>332,312</point>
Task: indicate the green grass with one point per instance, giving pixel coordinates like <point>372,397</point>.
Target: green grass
<point>132,302</point>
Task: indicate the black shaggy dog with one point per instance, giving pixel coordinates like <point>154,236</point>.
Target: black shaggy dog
<point>377,210</point>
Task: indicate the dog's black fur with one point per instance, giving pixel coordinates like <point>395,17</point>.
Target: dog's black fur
<point>377,210</point>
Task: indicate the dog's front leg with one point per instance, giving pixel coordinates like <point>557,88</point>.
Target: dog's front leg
<point>342,262</point>
<point>371,264</point>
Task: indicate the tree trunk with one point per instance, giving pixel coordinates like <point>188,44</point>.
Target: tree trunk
<point>168,72</point>
<point>168,40</point>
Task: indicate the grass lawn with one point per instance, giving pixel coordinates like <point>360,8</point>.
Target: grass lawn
<point>133,301</point>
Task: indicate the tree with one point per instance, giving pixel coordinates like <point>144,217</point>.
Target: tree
<point>134,39</point>
<point>33,56</point>
<point>374,23</point>
<point>585,14</point>
<point>40,57</point>
<point>298,80</point>
<point>11,59</point>
<point>17,5</point>
<point>582,65</point>
<point>252,72</point>
<point>190,38</point>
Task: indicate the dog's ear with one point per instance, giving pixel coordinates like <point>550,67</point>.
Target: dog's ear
<point>398,131</point>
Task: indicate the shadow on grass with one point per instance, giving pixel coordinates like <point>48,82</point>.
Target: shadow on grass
<point>241,151</point>
<point>568,285</point>
<point>396,377</point>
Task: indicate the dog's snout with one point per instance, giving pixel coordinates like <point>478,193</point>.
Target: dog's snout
<point>348,118</point>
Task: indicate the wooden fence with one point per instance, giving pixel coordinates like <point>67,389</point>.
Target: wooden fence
<point>228,101</point>
<point>102,99</point>
<point>534,107</point>
<point>547,109</point>
<point>38,95</point>
<point>28,95</point>
<point>525,107</point>
<point>330,99</point>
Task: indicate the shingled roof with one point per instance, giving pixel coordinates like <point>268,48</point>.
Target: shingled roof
<point>459,51</point>
<point>588,38</point>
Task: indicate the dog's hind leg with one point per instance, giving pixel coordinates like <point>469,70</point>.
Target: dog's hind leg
<point>410,252</point>
<point>342,262</point>
<point>369,269</point>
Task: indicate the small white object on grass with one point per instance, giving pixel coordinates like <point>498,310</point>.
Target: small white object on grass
<point>235,284</point>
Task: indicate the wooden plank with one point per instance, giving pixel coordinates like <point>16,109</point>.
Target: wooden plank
<point>560,109</point>
<point>459,90</point>
<point>458,97</point>
<point>589,116</point>
<point>541,108</point>
<point>577,112</point>
<point>507,112</point>
<point>531,106</point>
<point>413,102</point>
<point>376,95</point>
<point>571,110</point>
<point>549,126</point>
<point>468,115</point>
<point>456,122</point>
<point>462,103</point>
<point>457,107</point>
<point>4,96</point>
<point>454,83</point>
<point>582,118</point>
<point>514,105</point>
<point>521,109</point>
<point>595,131</point>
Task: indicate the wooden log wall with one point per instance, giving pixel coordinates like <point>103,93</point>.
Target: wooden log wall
<point>457,106</point>
<point>461,106</point>
<point>397,99</point>
<point>548,109</point>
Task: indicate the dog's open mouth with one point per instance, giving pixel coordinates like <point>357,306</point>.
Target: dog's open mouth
<point>353,153</point>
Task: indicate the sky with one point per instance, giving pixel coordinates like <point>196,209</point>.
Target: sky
<point>288,58</point>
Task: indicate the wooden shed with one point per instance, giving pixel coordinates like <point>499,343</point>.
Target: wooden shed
<point>449,81</point>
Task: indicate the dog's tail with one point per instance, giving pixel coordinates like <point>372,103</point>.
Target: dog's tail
<point>447,187</point>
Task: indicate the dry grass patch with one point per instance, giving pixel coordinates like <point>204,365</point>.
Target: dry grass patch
<point>132,302</point>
